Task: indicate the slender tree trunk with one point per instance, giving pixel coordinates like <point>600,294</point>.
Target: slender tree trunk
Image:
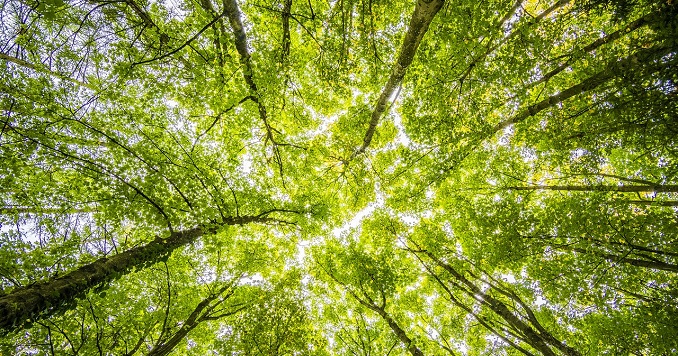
<point>26,304</point>
<point>286,42</point>
<point>200,314</point>
<point>424,12</point>
<point>643,21</point>
<point>400,333</point>
<point>25,64</point>
<point>235,19</point>
<point>402,336</point>
<point>141,13</point>
<point>537,339</point>
<point>602,188</point>
<point>368,302</point>
<point>234,15</point>
<point>631,261</point>
<point>485,323</point>
<point>635,61</point>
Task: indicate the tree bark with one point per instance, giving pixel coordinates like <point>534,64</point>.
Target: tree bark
<point>368,302</point>
<point>602,188</point>
<point>643,21</point>
<point>200,313</point>
<point>631,261</point>
<point>485,323</point>
<point>25,304</point>
<point>424,12</point>
<point>614,69</point>
<point>539,339</point>
<point>286,42</point>
<point>234,15</point>
<point>400,333</point>
<point>402,336</point>
<point>40,69</point>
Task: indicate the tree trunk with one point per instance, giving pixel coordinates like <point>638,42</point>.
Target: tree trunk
<point>643,21</point>
<point>234,15</point>
<point>424,12</point>
<point>603,188</point>
<point>411,347</point>
<point>381,310</point>
<point>40,69</point>
<point>23,305</point>
<point>286,41</point>
<point>538,340</point>
<point>632,261</point>
<point>470,310</point>
<point>200,313</point>
<point>633,62</point>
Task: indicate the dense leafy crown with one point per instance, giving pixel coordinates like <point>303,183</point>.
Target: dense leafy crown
<point>343,177</point>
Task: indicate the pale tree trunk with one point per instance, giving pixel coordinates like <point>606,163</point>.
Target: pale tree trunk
<point>380,309</point>
<point>234,15</point>
<point>203,311</point>
<point>424,12</point>
<point>659,188</point>
<point>42,69</point>
<point>533,333</point>
<point>633,62</point>
<point>651,264</point>
<point>650,18</point>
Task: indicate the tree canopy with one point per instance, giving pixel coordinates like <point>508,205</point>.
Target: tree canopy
<point>342,177</point>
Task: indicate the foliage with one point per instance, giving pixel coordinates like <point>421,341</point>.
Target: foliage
<point>345,177</point>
